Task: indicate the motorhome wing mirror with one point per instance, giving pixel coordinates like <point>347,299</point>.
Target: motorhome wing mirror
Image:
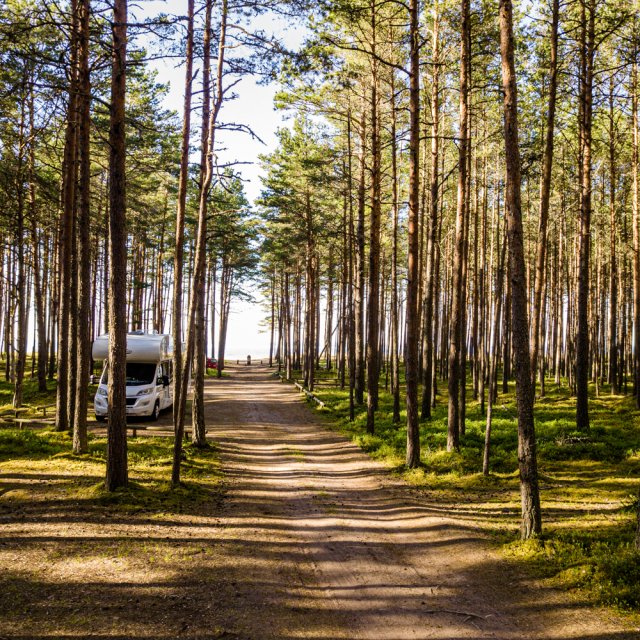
<point>165,381</point>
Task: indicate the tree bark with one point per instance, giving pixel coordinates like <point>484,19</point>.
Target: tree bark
<point>531,524</point>
<point>178,417</point>
<point>612,328</point>
<point>21,282</point>
<point>359,267</point>
<point>39,269</point>
<point>198,434</point>
<point>373,300</point>
<point>199,272</point>
<point>66,230</point>
<point>412,316</point>
<point>545,191</point>
<point>493,356</point>
<point>80,444</point>
<point>394,311</point>
<point>457,308</point>
<point>586,110</point>
<point>636,235</point>
<point>117,472</point>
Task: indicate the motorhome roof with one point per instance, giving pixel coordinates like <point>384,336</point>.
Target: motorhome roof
<point>141,347</point>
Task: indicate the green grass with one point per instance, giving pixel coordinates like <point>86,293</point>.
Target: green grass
<point>589,481</point>
<point>32,398</point>
<point>58,475</point>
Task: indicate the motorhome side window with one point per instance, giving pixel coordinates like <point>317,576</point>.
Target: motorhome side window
<point>167,370</point>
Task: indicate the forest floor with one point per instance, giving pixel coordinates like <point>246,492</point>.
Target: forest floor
<point>309,539</point>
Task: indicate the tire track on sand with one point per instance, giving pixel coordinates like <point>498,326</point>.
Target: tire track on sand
<point>327,545</point>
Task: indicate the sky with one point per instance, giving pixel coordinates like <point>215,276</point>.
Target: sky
<point>254,108</point>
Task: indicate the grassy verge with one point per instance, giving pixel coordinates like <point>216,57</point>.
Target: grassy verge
<point>78,561</point>
<point>37,466</point>
<point>589,482</point>
<point>32,398</point>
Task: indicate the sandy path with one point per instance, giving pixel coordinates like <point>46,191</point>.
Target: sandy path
<point>330,546</point>
<point>313,540</point>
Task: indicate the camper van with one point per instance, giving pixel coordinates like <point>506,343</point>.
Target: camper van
<point>149,374</point>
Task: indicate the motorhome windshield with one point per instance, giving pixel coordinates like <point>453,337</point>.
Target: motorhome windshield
<point>138,373</point>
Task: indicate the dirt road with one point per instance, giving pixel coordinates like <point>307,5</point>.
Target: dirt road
<point>312,540</point>
<point>326,544</point>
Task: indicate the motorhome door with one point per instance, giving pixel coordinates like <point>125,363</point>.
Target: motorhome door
<point>167,371</point>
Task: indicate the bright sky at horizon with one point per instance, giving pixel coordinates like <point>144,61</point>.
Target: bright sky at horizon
<point>254,108</point>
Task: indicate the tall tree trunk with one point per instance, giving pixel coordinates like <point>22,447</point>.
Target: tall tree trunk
<point>54,295</point>
<point>328,335</point>
<point>531,524</point>
<point>20,284</point>
<point>345,308</point>
<point>586,109</point>
<point>493,354</point>
<point>159,301</point>
<point>199,274</point>
<point>373,300</point>
<point>545,191</point>
<point>613,265</point>
<point>39,270</point>
<point>395,357</point>
<point>117,473</point>
<point>66,231</point>
<point>72,372</point>
<point>636,234</point>
<point>273,314</point>
<point>80,444</point>
<point>198,434</point>
<point>412,316</point>
<point>359,266</point>
<point>178,416</point>
<point>352,301</point>
<point>225,300</point>
<point>458,297</point>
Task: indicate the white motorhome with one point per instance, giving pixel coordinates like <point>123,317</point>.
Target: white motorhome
<point>149,374</point>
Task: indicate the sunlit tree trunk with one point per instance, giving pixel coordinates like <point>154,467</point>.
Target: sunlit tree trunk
<point>117,472</point>
<point>413,292</point>
<point>69,172</point>
<point>394,311</point>
<point>493,354</point>
<point>531,518</point>
<point>585,119</point>
<point>178,416</point>
<point>612,328</point>
<point>273,316</point>
<point>198,433</point>
<point>200,265</point>
<point>80,444</point>
<point>359,267</point>
<point>21,280</point>
<point>545,191</point>
<point>39,270</point>
<point>458,297</point>
<point>636,235</point>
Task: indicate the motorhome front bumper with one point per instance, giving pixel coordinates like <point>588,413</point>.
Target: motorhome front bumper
<point>142,406</point>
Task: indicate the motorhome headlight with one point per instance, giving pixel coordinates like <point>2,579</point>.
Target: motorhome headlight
<point>102,391</point>
<point>144,392</point>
